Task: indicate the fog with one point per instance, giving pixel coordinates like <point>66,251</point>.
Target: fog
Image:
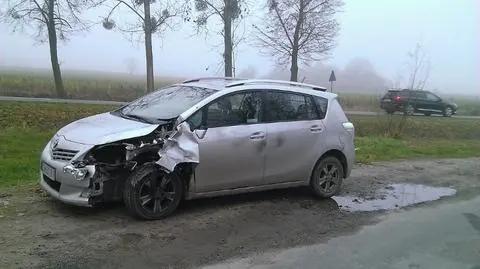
<point>373,45</point>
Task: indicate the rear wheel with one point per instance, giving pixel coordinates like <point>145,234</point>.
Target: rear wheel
<point>409,110</point>
<point>151,193</point>
<point>327,177</point>
<point>390,111</point>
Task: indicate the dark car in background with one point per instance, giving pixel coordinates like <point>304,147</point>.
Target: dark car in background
<point>416,101</point>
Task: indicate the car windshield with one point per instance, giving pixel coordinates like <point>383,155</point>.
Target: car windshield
<point>165,103</point>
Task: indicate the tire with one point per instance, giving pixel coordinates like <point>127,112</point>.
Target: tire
<point>448,111</point>
<point>390,111</point>
<point>319,180</point>
<point>409,110</point>
<point>156,204</point>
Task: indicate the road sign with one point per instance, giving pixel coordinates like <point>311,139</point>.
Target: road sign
<point>332,77</point>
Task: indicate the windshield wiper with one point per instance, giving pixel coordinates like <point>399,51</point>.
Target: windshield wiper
<point>135,117</point>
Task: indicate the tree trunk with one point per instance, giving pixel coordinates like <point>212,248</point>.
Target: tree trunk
<point>52,42</point>
<point>295,45</point>
<point>148,47</point>
<point>227,38</point>
<point>294,66</point>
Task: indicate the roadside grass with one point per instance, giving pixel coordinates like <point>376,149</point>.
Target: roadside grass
<point>372,149</point>
<point>25,128</point>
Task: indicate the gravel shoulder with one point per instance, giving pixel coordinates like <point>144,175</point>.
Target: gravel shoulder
<point>38,232</point>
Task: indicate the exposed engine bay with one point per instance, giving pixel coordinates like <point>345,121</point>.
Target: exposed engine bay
<point>174,149</point>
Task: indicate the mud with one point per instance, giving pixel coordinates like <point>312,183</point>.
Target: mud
<point>37,232</point>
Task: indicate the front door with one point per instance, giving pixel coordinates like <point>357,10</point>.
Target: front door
<point>433,103</point>
<point>296,135</point>
<point>231,143</point>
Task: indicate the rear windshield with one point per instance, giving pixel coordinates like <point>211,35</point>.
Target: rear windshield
<point>166,103</point>
<point>392,94</point>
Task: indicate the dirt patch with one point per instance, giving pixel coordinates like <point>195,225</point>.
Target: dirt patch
<point>40,233</point>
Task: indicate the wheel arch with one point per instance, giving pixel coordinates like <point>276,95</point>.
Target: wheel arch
<point>332,153</point>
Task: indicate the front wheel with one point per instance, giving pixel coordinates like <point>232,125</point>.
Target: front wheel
<point>447,112</point>
<point>151,193</point>
<point>327,177</point>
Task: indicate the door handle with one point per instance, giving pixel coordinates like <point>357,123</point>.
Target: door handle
<point>257,135</point>
<point>316,128</point>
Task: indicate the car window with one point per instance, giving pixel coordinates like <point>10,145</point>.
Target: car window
<point>321,104</point>
<point>235,109</point>
<point>420,95</point>
<point>285,106</point>
<point>432,97</point>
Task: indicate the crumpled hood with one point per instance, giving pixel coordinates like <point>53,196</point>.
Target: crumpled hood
<point>104,128</point>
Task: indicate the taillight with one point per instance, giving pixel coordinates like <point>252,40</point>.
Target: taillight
<point>349,127</point>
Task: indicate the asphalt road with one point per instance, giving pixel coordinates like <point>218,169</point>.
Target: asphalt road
<point>446,236</point>
<point>99,102</point>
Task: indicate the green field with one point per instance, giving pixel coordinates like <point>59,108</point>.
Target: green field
<point>120,87</point>
<point>25,128</point>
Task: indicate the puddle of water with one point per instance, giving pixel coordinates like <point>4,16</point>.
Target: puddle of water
<point>395,196</point>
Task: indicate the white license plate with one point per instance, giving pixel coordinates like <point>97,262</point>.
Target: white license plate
<point>48,171</point>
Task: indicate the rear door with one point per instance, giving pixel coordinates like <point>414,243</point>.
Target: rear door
<point>295,130</point>
<point>419,100</point>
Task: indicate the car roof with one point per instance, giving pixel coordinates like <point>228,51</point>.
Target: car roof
<point>230,84</point>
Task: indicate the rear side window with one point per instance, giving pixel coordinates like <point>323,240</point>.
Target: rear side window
<point>321,104</point>
<point>287,106</point>
<point>420,95</point>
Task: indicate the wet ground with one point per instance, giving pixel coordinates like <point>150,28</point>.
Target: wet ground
<point>40,233</point>
<point>445,236</point>
<point>394,196</point>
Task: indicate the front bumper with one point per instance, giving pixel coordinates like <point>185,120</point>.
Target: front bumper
<point>64,186</point>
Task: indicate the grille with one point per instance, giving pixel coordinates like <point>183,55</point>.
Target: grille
<point>63,154</point>
<point>54,184</point>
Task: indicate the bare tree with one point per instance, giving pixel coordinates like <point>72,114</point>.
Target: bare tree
<point>299,30</point>
<point>147,22</point>
<point>51,20</point>
<point>418,67</point>
<point>230,12</point>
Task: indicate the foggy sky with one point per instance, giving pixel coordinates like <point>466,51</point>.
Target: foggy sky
<point>381,32</point>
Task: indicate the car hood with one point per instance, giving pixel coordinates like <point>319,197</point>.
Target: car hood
<point>104,128</point>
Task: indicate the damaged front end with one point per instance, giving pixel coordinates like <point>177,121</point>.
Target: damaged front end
<point>107,167</point>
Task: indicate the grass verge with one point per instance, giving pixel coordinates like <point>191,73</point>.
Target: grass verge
<point>25,128</point>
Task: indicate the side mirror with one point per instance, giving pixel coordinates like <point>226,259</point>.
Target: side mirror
<point>200,133</point>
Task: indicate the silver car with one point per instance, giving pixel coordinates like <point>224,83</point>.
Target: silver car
<point>202,138</point>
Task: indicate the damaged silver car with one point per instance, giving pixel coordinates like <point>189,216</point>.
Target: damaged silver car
<point>202,138</point>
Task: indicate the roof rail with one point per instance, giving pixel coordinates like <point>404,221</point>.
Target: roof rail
<point>278,82</point>
<point>212,78</point>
